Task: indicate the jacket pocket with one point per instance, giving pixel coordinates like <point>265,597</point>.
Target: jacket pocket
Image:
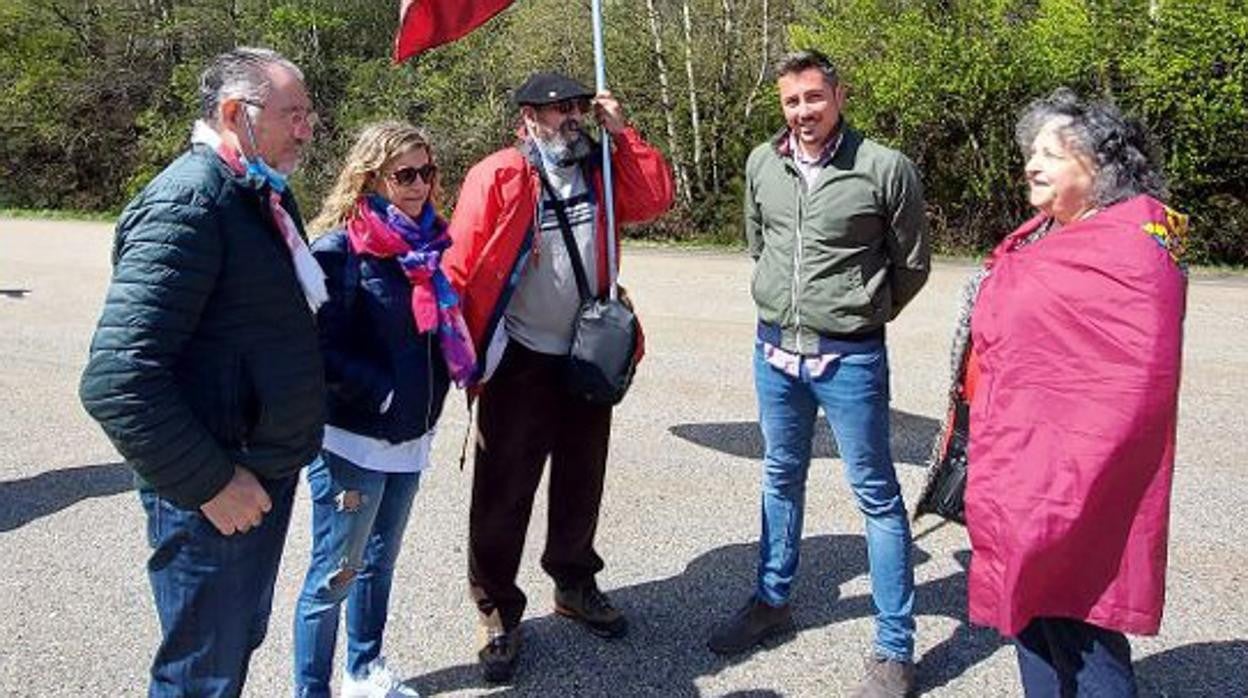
<point>772,286</point>
<point>877,304</point>
<point>857,283</point>
<point>860,305</point>
<point>251,410</point>
<point>211,381</point>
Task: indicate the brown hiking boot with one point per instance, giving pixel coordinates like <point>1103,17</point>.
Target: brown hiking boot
<point>498,654</point>
<point>886,678</point>
<point>590,607</point>
<point>748,627</point>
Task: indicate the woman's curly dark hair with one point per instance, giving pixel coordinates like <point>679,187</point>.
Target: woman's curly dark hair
<point>1119,147</point>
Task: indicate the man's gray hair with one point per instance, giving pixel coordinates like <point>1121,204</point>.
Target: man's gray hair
<point>799,61</point>
<point>1120,150</point>
<point>239,74</point>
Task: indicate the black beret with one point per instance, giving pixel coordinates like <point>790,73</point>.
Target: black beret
<point>547,88</point>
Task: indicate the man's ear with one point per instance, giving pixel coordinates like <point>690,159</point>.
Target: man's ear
<point>228,113</point>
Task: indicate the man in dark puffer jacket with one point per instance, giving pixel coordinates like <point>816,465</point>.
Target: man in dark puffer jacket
<point>205,370</point>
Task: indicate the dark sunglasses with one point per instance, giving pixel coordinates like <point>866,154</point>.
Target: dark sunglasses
<point>568,106</point>
<point>406,176</point>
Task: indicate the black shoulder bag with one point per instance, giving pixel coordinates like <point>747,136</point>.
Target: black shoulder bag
<point>945,490</point>
<point>601,360</point>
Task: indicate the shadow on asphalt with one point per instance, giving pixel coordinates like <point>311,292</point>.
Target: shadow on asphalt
<point>1201,668</point>
<point>665,651</point>
<point>912,437</point>
<point>23,501</point>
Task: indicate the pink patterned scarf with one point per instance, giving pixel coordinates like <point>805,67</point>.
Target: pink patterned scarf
<point>380,229</point>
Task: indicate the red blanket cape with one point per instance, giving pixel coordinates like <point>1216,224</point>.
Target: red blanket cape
<point>1072,426</point>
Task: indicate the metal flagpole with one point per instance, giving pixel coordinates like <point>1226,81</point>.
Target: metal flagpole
<point>600,77</point>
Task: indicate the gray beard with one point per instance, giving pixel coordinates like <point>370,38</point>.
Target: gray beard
<point>565,152</point>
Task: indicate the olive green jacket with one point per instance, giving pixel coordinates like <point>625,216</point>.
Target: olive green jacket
<point>842,257</point>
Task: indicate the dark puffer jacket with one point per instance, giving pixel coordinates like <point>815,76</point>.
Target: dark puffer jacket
<point>373,349</point>
<point>206,353</point>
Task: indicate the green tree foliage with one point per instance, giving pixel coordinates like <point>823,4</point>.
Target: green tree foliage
<point>944,80</point>
<point>1191,84</point>
<point>74,77</point>
<point>98,95</point>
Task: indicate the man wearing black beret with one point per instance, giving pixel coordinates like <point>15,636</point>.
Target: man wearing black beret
<point>511,265</point>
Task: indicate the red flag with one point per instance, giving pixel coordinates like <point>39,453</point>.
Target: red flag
<point>424,24</point>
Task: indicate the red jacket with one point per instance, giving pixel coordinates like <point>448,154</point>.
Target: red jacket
<point>492,226</point>
<point>1078,337</point>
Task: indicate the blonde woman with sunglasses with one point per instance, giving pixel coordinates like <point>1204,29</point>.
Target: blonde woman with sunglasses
<point>393,339</point>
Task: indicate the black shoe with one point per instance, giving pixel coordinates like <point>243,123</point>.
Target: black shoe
<point>590,607</point>
<point>886,678</point>
<point>499,653</point>
<point>750,626</point>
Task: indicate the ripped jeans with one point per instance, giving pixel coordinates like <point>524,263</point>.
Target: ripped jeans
<point>358,518</point>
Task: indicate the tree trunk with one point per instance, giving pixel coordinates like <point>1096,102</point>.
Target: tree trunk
<point>764,58</point>
<point>726,76</point>
<point>669,117</point>
<point>695,118</point>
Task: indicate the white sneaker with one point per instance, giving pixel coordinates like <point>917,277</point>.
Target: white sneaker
<point>377,682</point>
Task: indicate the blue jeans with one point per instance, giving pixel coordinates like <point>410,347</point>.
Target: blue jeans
<point>1063,658</point>
<point>853,393</point>
<point>213,593</point>
<point>358,518</point>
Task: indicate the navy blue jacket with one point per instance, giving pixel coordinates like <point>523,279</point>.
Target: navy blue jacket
<point>372,347</point>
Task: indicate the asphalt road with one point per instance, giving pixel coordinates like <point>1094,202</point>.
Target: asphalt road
<point>679,524</point>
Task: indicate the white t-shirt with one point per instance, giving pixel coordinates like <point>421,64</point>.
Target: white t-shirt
<point>378,454</point>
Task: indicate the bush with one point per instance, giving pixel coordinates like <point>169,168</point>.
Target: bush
<point>97,101</point>
<point>1190,84</point>
<point>943,82</point>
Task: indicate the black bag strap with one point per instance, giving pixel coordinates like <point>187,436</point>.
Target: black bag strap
<point>569,241</point>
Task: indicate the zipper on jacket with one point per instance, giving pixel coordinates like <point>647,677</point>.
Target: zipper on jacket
<point>797,264</point>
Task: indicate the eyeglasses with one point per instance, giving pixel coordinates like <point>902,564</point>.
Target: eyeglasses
<point>298,116</point>
<point>568,106</point>
<point>406,176</point>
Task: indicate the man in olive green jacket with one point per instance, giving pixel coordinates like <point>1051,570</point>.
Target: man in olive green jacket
<point>835,223</point>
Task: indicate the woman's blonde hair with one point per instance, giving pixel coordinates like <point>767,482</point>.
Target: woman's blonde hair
<point>376,146</point>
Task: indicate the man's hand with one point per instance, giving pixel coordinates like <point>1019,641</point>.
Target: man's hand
<point>240,506</point>
<point>608,113</point>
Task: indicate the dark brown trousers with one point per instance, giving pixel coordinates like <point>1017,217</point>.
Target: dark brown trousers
<point>525,415</point>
